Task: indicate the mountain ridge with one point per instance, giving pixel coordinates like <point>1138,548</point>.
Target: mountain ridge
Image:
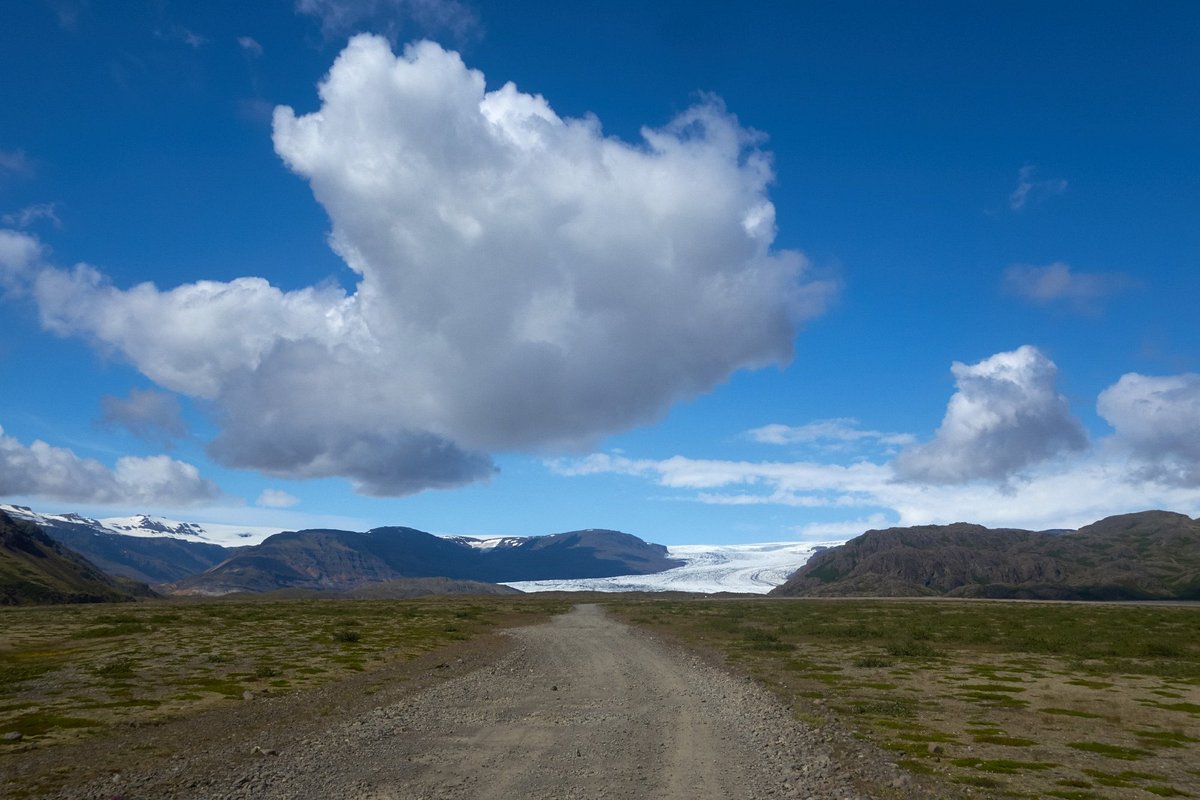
<point>336,560</point>
<point>36,569</point>
<point>1148,555</point>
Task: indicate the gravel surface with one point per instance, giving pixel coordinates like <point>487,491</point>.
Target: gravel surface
<point>581,707</point>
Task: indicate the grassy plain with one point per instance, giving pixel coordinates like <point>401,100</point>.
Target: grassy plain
<point>71,671</point>
<point>1059,700</point>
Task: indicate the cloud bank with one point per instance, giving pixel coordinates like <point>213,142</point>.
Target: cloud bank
<point>524,282</point>
<point>1008,454</point>
<point>40,470</point>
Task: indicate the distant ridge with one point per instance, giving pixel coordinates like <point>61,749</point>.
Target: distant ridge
<point>150,552</point>
<point>1150,555</point>
<point>333,560</point>
<point>36,569</point>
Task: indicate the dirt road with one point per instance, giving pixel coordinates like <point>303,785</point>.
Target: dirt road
<point>581,707</point>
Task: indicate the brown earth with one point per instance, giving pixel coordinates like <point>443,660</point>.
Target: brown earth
<point>580,707</point>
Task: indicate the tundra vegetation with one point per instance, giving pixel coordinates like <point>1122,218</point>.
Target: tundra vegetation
<point>71,671</point>
<point>1075,701</point>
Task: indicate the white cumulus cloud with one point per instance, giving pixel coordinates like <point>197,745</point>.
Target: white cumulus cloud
<point>1006,415</point>
<point>41,470</point>
<point>524,282</point>
<point>1158,420</point>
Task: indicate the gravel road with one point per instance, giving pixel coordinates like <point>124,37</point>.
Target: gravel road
<point>580,707</point>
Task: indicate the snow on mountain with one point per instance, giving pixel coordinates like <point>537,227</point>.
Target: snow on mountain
<point>212,533</point>
<point>742,568</point>
<point>147,526</point>
<point>486,543</point>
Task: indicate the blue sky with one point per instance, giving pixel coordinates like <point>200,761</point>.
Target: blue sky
<point>702,273</point>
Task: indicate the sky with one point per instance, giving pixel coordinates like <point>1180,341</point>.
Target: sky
<point>703,272</point>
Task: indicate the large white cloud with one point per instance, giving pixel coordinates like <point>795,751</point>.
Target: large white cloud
<point>41,470</point>
<point>524,282</point>
<point>1006,415</point>
<point>1158,420</point>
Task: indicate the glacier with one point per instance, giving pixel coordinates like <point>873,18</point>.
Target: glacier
<point>710,568</point>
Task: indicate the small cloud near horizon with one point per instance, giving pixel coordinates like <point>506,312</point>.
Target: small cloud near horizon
<point>276,498</point>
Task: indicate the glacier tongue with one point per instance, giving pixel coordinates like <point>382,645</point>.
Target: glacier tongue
<point>742,568</point>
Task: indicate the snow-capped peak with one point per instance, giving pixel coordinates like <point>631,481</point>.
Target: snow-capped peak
<point>487,543</point>
<point>146,526</point>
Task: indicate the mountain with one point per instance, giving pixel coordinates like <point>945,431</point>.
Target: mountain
<point>145,549</point>
<point>36,569</point>
<point>1151,555</point>
<point>333,560</point>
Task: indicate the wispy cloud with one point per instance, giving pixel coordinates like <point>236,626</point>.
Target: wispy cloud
<point>827,432</point>
<point>68,12</point>
<point>30,215</point>
<point>393,18</point>
<point>1031,191</point>
<point>1057,283</point>
<point>250,46</point>
<point>178,33</point>
<point>16,163</point>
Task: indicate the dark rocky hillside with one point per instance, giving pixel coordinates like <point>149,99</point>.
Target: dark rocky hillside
<point>1151,555</point>
<point>332,560</point>
<point>36,569</point>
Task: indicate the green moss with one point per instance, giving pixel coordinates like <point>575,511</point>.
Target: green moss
<point>1111,750</point>
<point>1002,765</point>
<point>1005,741</point>
<point>39,724</point>
<point>1165,738</point>
<point>915,767</point>
<point>1068,712</point>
